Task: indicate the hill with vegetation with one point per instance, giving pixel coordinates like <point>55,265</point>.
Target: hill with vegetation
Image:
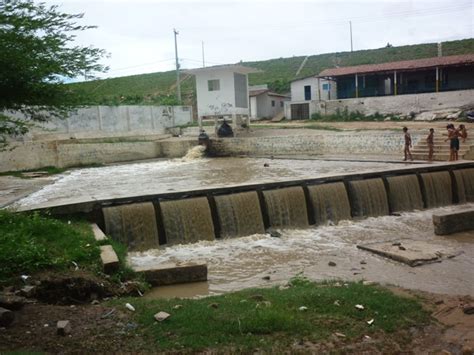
<point>159,88</point>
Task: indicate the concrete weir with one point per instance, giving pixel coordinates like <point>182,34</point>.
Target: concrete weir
<point>151,221</point>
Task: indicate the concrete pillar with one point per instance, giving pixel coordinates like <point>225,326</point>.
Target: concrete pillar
<point>99,118</point>
<point>437,79</point>
<point>127,113</point>
<point>395,83</point>
<point>152,118</point>
<point>356,86</point>
<point>319,90</point>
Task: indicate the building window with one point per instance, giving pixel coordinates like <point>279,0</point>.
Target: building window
<point>281,103</point>
<point>214,85</point>
<point>307,92</point>
<point>241,90</point>
<point>273,103</point>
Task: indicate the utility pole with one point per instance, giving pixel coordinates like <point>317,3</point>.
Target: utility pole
<point>203,62</point>
<point>350,28</point>
<point>178,85</point>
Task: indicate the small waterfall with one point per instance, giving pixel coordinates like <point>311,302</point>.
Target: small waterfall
<point>187,221</point>
<point>404,193</point>
<point>133,225</point>
<point>465,184</point>
<point>194,153</point>
<point>368,198</point>
<point>286,207</point>
<point>438,189</point>
<point>239,214</point>
<point>330,202</point>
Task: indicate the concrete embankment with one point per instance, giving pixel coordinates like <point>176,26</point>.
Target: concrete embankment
<point>80,152</point>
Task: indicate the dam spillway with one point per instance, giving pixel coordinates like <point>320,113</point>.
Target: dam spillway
<point>151,221</point>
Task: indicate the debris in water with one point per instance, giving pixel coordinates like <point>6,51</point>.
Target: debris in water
<point>396,244</point>
<point>161,316</point>
<point>332,263</point>
<point>275,234</point>
<point>468,309</point>
<point>266,278</point>
<point>363,262</point>
<point>401,247</point>
<point>130,307</point>
<point>266,165</point>
<point>359,307</point>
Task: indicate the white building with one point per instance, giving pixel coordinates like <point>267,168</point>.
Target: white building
<point>306,93</point>
<point>222,91</point>
<point>264,103</point>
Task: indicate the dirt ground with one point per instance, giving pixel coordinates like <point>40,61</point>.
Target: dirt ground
<point>103,328</point>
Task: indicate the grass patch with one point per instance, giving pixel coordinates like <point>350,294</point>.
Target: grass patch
<point>31,242</point>
<point>291,126</point>
<point>270,318</point>
<point>351,116</point>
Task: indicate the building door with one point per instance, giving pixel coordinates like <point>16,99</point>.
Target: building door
<point>300,111</point>
<point>307,92</point>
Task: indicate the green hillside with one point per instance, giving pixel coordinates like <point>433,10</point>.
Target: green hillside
<point>159,88</point>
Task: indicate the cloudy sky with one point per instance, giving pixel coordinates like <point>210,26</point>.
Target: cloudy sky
<point>138,34</point>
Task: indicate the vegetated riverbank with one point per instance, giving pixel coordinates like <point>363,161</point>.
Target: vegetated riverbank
<point>60,260</point>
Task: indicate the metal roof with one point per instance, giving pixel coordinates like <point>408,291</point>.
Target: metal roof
<point>414,64</point>
<point>236,68</point>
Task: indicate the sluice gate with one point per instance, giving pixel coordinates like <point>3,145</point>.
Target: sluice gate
<point>145,222</point>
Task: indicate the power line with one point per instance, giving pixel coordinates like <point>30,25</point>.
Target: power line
<point>141,65</point>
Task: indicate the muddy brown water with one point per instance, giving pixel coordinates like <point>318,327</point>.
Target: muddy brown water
<point>156,177</point>
<point>245,262</point>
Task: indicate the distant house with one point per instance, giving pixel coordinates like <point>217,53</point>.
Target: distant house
<point>373,87</point>
<point>264,103</point>
<point>222,92</point>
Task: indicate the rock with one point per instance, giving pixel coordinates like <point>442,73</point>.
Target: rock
<point>110,261</point>
<point>266,278</point>
<point>332,263</point>
<point>129,307</point>
<point>275,234</point>
<point>12,302</point>
<point>468,309</point>
<point>63,327</point>
<point>6,317</point>
<point>425,116</point>
<point>28,291</point>
<point>161,316</point>
<point>454,116</point>
<point>466,350</point>
<point>453,222</point>
<point>171,273</point>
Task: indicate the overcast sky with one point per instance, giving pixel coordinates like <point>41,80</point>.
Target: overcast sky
<point>138,34</point>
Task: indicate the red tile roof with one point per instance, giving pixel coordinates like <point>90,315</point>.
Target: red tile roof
<point>401,65</point>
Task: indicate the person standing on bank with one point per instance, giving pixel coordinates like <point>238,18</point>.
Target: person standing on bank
<point>407,144</point>
<point>453,142</point>
<point>430,141</point>
<point>462,132</point>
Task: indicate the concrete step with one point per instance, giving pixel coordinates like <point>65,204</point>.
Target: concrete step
<point>444,150</point>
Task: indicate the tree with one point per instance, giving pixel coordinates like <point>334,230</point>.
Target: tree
<point>36,55</point>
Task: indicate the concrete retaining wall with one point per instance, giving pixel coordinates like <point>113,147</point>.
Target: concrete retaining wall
<point>100,121</point>
<point>35,155</point>
<point>316,144</point>
<point>400,104</point>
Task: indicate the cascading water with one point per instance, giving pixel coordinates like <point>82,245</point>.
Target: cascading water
<point>368,198</point>
<point>187,221</point>
<point>465,184</point>
<point>286,207</point>
<point>133,225</point>
<point>330,202</point>
<point>194,153</point>
<point>438,189</point>
<point>239,214</point>
<point>404,193</point>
